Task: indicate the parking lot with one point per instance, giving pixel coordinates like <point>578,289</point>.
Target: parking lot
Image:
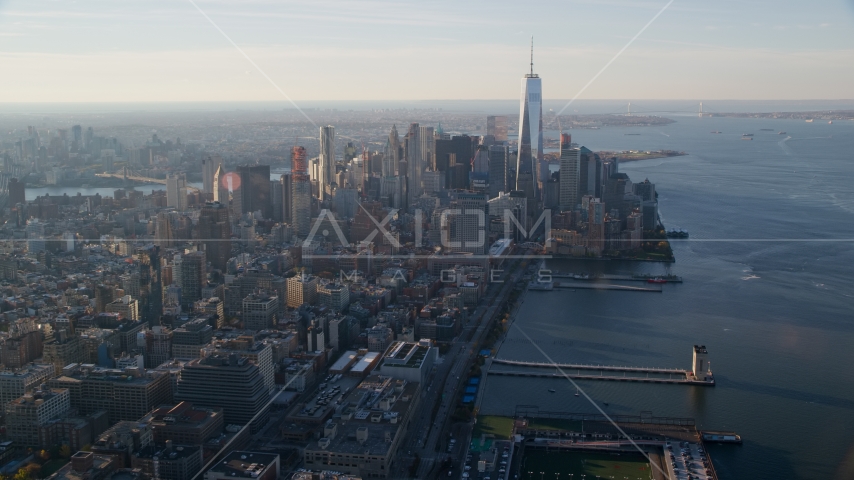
<point>490,463</point>
<point>687,461</point>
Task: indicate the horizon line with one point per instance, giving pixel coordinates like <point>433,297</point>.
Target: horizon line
<point>429,100</point>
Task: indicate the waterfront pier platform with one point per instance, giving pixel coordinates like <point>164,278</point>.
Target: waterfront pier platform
<point>606,286</point>
<point>604,372</point>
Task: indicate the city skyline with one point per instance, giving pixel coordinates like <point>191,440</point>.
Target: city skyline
<point>231,250</point>
<point>169,52</point>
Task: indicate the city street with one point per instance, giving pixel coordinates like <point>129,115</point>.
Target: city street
<point>448,378</point>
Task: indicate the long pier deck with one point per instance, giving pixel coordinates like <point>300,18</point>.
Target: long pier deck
<point>685,380</point>
<point>602,372</point>
<point>606,286</point>
<point>622,278</point>
<point>609,368</point>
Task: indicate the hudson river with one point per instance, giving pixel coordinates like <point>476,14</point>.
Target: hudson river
<point>768,289</point>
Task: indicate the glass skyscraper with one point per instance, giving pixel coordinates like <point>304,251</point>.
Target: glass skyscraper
<point>530,133</point>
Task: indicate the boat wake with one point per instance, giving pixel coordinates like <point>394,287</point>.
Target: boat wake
<point>786,149</point>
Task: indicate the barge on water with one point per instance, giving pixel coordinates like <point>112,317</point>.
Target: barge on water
<point>721,437</point>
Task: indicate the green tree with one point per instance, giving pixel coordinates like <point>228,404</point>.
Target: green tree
<point>33,470</point>
<point>65,451</point>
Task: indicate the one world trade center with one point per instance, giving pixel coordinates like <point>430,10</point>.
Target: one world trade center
<point>530,134</point>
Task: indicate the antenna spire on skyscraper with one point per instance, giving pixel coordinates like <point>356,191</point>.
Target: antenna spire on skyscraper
<point>532,55</point>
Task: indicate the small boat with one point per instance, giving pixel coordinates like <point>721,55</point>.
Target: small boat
<point>677,233</point>
<point>781,133</point>
<point>830,122</point>
<point>716,131</point>
<point>552,390</point>
<point>767,129</point>
<point>809,120</point>
<point>747,138</point>
<point>746,134</point>
<point>605,403</point>
<point>576,391</point>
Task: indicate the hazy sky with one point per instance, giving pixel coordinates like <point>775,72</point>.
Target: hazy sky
<point>165,50</point>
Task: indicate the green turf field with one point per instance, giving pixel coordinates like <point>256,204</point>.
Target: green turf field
<point>542,465</point>
<point>501,427</point>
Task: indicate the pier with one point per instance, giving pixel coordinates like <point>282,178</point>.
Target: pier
<point>607,286</point>
<point>621,278</point>
<point>700,364</point>
<point>606,368</point>
<point>684,380</point>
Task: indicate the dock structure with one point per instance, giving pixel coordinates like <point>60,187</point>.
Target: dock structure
<point>683,380</point>
<point>606,286</point>
<point>608,368</point>
<point>700,364</point>
<point>621,278</point>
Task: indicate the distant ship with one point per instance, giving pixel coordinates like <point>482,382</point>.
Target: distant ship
<point>656,280</point>
<point>781,133</point>
<point>767,129</point>
<point>747,138</point>
<point>716,131</point>
<point>746,134</point>
<point>809,120</point>
<point>677,234</point>
<point>631,134</point>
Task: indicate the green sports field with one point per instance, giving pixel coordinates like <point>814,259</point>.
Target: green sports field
<point>566,465</point>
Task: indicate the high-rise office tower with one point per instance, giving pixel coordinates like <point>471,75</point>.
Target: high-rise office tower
<point>210,165</point>
<point>214,230</point>
<point>276,199</point>
<point>189,273</point>
<point>498,158</point>
<point>176,191</point>
<point>530,133</point>
<point>286,186</point>
<point>163,234</point>
<point>254,190</point>
<point>413,163</point>
<point>465,223</point>
<point>451,152</point>
<point>103,295</point>
<point>77,134</point>
<point>17,192</point>
<point>428,147</point>
<point>150,284</point>
<point>590,174</point>
<point>496,125</point>
<point>327,162</point>
<point>392,154</point>
<point>596,226</point>
<point>480,163</point>
<point>220,189</point>
<point>301,193</point>
<point>570,170</point>
<point>479,174</point>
